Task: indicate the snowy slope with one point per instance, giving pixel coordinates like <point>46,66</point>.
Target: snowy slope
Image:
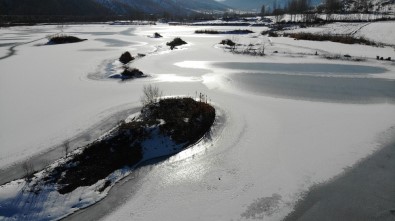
<point>380,32</point>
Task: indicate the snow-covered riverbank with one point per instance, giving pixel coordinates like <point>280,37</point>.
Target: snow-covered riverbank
<point>274,146</point>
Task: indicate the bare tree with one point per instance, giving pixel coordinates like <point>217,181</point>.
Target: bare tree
<point>263,10</point>
<point>262,48</point>
<point>66,148</point>
<point>28,168</point>
<point>151,95</point>
<point>332,6</point>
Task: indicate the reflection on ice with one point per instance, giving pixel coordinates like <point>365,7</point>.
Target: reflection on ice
<point>318,82</point>
<point>175,78</point>
<point>192,64</point>
<point>328,89</point>
<point>339,69</point>
<point>209,140</point>
<point>111,42</point>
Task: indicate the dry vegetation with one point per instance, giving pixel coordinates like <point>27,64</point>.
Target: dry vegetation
<point>345,39</point>
<point>238,31</point>
<point>63,39</point>
<point>183,120</point>
<point>175,42</point>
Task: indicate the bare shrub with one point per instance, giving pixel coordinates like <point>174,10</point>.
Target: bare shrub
<point>175,42</point>
<point>66,148</point>
<point>126,57</point>
<point>151,94</point>
<point>28,169</point>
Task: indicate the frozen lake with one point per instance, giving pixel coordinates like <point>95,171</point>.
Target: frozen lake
<point>290,120</point>
<point>319,82</point>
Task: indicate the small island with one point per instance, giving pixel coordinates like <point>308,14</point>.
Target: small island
<point>163,128</point>
<point>176,42</point>
<point>63,39</point>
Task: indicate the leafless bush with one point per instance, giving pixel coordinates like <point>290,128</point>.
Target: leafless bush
<point>66,148</point>
<point>151,95</point>
<point>28,168</point>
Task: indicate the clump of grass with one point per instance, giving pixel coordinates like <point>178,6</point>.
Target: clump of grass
<point>345,39</point>
<point>342,57</point>
<point>132,73</point>
<point>228,42</point>
<point>237,31</point>
<point>240,31</point>
<point>96,162</point>
<point>207,32</point>
<point>63,39</point>
<point>270,33</point>
<point>126,57</point>
<point>157,35</point>
<point>175,42</point>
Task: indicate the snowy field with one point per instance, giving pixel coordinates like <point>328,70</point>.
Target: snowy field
<point>381,32</point>
<point>291,119</point>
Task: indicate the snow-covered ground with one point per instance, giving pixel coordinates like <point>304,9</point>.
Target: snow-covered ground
<point>286,127</point>
<point>381,32</point>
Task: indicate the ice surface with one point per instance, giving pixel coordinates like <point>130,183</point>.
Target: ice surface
<point>276,142</point>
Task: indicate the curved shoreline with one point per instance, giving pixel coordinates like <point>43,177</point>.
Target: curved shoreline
<point>121,191</point>
<point>364,192</point>
<point>41,160</point>
<point>12,50</point>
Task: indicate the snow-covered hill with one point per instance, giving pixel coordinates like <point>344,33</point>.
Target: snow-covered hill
<point>163,6</point>
<point>256,5</point>
<point>106,7</point>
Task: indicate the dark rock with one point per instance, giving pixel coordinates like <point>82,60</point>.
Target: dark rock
<point>132,73</point>
<point>176,42</point>
<point>126,58</point>
<point>157,35</point>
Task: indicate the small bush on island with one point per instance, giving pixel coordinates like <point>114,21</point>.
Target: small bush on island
<point>176,42</point>
<point>270,33</point>
<point>63,39</point>
<point>132,73</point>
<point>151,95</point>
<point>238,31</point>
<point>207,32</point>
<point>345,39</point>
<point>257,49</point>
<point>228,42</point>
<point>273,34</point>
<point>157,35</point>
<point>126,57</point>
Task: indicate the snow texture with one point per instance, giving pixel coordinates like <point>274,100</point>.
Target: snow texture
<point>272,147</point>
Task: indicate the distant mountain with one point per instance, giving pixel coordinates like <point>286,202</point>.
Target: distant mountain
<point>51,7</point>
<point>163,6</point>
<point>106,7</point>
<point>245,4</point>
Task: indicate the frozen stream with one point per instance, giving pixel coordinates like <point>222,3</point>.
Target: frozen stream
<point>290,122</point>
